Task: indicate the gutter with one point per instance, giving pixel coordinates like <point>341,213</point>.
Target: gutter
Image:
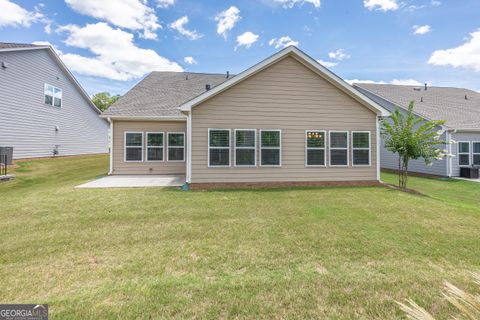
<point>146,118</point>
<point>110,142</point>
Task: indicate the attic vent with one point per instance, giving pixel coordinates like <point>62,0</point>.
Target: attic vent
<point>466,98</point>
<point>228,74</point>
<point>417,89</point>
<point>425,87</point>
<point>186,76</point>
<point>4,65</point>
<point>207,87</point>
<point>421,99</point>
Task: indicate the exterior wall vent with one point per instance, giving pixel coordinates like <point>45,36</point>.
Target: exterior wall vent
<point>208,87</point>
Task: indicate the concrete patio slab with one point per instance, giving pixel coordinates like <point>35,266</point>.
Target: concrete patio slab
<point>134,181</point>
<point>466,179</point>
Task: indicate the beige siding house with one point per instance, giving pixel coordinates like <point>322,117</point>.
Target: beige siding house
<point>285,120</point>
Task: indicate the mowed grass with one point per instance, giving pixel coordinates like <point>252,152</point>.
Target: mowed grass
<point>154,253</point>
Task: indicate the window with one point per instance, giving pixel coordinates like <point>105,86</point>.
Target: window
<point>245,147</point>
<point>133,146</point>
<point>476,153</point>
<point>464,153</point>
<point>53,95</point>
<point>176,146</point>
<point>154,146</point>
<point>315,148</point>
<point>270,148</point>
<point>361,148</point>
<point>338,148</point>
<point>219,147</point>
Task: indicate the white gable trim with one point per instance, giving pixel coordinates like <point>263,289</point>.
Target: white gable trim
<point>62,66</point>
<point>291,50</point>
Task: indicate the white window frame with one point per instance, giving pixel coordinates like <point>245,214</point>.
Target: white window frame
<point>315,148</point>
<point>271,148</point>
<point>53,95</point>
<point>246,148</point>
<point>229,148</point>
<point>175,147</point>
<point>330,148</point>
<point>462,153</point>
<point>155,147</point>
<point>474,153</point>
<point>125,146</point>
<point>369,148</point>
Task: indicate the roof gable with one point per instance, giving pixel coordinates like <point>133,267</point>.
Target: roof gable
<point>304,59</point>
<point>9,47</point>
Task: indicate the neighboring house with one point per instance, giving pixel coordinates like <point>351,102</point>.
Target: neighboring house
<point>286,119</point>
<point>43,110</point>
<point>460,108</point>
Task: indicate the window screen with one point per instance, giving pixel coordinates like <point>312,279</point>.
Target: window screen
<point>270,142</point>
<point>219,147</point>
<point>245,147</point>
<point>176,146</point>
<point>339,148</point>
<point>134,146</point>
<point>361,148</point>
<point>315,148</point>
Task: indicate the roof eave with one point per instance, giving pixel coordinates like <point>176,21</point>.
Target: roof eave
<point>379,110</point>
<point>140,118</point>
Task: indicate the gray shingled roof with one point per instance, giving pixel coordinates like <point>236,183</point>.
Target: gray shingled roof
<point>439,103</point>
<point>161,93</point>
<point>11,45</point>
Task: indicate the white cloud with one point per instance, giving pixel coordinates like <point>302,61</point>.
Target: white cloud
<point>179,25</point>
<point>381,5</point>
<point>466,55</point>
<point>421,29</point>
<point>165,3</point>
<point>190,60</point>
<point>115,57</point>
<point>282,42</point>
<point>13,15</point>
<point>327,64</point>
<point>292,3</point>
<point>47,43</point>
<point>246,39</point>
<point>227,20</point>
<point>436,3</point>
<point>403,82</point>
<point>339,55</point>
<point>128,14</point>
<point>406,82</point>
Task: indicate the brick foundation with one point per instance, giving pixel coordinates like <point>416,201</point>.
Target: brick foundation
<point>270,185</point>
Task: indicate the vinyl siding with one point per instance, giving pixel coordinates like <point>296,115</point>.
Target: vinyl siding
<point>462,136</point>
<point>145,167</point>
<point>27,124</point>
<point>287,96</point>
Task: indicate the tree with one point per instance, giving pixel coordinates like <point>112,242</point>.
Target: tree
<point>103,100</point>
<point>412,138</point>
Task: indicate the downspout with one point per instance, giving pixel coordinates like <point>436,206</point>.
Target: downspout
<point>378,147</point>
<point>189,147</point>
<point>110,143</point>
<point>449,159</point>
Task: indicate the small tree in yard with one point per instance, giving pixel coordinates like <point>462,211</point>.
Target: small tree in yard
<point>103,100</point>
<point>406,135</point>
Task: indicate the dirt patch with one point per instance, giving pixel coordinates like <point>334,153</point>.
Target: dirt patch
<point>270,185</point>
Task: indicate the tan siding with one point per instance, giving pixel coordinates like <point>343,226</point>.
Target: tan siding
<point>158,167</point>
<point>287,96</point>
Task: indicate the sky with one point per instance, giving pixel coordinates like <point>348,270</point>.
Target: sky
<point>110,45</point>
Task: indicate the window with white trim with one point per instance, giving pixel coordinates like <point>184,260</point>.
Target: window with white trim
<point>315,148</point>
<point>361,148</point>
<point>245,147</point>
<point>133,146</point>
<point>155,146</point>
<point>175,146</point>
<point>52,95</point>
<point>218,147</point>
<point>338,148</point>
<point>270,147</point>
<point>463,153</point>
<point>476,153</point>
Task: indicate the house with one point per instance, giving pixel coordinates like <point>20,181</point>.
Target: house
<point>43,110</point>
<point>287,119</point>
<point>460,108</point>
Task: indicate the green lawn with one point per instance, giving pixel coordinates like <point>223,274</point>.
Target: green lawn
<point>286,253</point>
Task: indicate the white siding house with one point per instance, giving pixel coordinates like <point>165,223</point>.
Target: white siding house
<point>43,109</point>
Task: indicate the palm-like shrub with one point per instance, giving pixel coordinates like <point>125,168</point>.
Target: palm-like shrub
<point>412,138</point>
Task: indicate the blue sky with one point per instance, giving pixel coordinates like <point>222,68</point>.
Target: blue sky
<point>111,44</point>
